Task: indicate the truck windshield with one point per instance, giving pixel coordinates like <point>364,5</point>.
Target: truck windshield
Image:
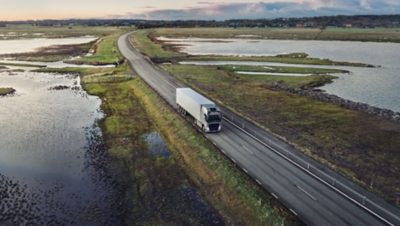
<point>213,118</point>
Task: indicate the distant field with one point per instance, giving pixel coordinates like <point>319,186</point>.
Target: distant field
<point>26,31</point>
<point>345,34</point>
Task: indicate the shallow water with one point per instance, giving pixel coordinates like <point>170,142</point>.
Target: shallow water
<point>378,87</point>
<point>56,64</point>
<point>52,163</point>
<point>29,45</point>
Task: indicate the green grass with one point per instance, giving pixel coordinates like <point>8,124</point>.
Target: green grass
<point>27,31</point>
<point>305,82</point>
<point>362,147</point>
<point>6,91</point>
<point>148,47</point>
<point>274,69</point>
<point>106,52</point>
<point>287,59</point>
<point>319,77</point>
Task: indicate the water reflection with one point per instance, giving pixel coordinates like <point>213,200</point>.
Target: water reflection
<point>52,162</point>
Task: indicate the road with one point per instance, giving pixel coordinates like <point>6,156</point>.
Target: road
<point>296,181</point>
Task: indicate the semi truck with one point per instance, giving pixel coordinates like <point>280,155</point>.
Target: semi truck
<point>202,111</point>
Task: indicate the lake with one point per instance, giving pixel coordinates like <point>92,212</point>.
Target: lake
<point>378,87</point>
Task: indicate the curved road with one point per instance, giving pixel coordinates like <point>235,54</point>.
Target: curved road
<point>295,180</point>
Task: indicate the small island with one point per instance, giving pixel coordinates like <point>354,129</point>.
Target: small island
<point>6,91</point>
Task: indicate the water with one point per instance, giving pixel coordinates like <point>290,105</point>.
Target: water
<point>56,64</point>
<point>375,86</point>
<point>29,45</point>
<point>156,145</point>
<point>51,152</point>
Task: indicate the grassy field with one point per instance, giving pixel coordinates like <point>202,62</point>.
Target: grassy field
<point>362,147</point>
<point>106,52</point>
<point>28,31</point>
<point>344,34</point>
<point>6,91</point>
<point>149,47</point>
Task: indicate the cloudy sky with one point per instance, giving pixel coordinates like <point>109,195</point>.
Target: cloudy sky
<point>189,9</point>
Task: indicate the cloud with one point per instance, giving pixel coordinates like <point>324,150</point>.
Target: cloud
<point>271,9</point>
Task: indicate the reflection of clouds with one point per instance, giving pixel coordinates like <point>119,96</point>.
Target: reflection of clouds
<point>270,9</point>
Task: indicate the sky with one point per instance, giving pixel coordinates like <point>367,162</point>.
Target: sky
<point>189,9</point>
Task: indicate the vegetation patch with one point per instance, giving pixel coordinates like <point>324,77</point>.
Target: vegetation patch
<point>105,52</point>
<point>150,47</point>
<point>360,146</point>
<point>286,59</point>
<point>6,91</point>
<point>275,69</point>
<point>29,31</point>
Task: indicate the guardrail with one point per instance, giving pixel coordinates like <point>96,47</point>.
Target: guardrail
<point>331,182</point>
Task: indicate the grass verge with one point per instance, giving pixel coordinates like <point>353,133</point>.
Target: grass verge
<point>106,52</point>
<point>128,105</point>
<point>228,189</point>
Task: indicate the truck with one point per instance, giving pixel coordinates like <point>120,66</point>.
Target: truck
<point>203,112</point>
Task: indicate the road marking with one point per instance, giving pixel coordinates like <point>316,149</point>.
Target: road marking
<point>275,196</point>
<point>258,182</point>
<point>234,161</point>
<point>248,150</point>
<point>245,170</point>
<point>305,192</point>
<point>294,212</point>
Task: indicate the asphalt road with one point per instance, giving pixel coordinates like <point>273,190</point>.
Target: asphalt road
<point>292,178</point>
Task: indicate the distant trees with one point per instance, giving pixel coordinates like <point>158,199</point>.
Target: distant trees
<point>360,21</point>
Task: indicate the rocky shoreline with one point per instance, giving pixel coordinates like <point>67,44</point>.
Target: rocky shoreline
<point>330,98</point>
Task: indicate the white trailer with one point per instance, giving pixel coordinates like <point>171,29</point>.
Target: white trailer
<point>204,113</point>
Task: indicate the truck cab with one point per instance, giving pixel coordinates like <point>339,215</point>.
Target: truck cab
<point>213,118</point>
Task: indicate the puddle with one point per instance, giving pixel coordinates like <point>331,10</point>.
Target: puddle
<point>156,145</point>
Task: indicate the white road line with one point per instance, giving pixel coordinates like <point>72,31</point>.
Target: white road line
<point>247,149</point>
<point>275,196</point>
<point>307,193</point>
<point>258,182</point>
<point>245,170</point>
<point>294,212</point>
